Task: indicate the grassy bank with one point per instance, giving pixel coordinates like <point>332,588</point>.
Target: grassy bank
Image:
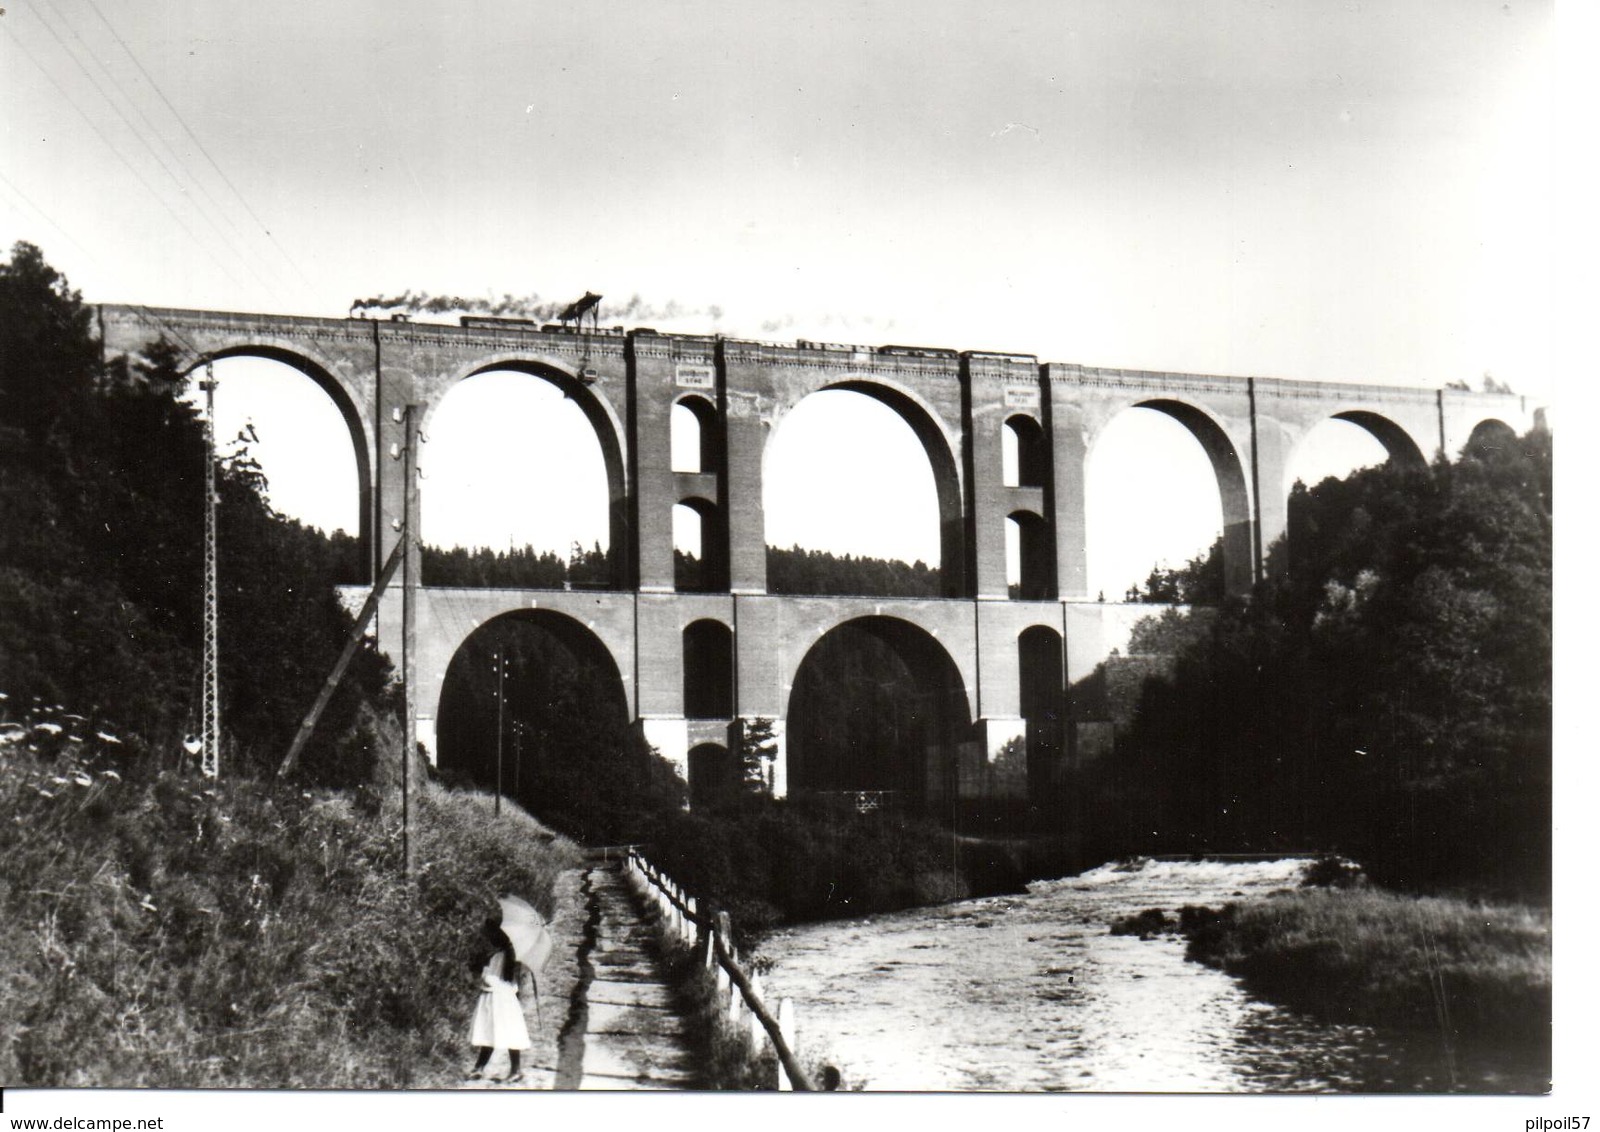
<point>1474,970</point>
<point>162,931</point>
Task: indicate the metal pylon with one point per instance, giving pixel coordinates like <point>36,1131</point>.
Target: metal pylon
<point>210,699</point>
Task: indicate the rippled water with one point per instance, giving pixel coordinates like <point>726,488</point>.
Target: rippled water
<point>1031,992</point>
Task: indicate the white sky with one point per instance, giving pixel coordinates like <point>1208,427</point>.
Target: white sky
<point>1298,189</point>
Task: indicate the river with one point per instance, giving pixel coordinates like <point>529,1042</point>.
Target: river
<point>1032,992</point>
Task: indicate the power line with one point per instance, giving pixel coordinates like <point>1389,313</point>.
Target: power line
<point>12,185</point>
<point>198,144</point>
<point>172,153</point>
<point>120,155</point>
<point>134,130</point>
<point>162,324</point>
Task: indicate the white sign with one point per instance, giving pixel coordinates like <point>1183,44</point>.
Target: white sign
<point>1022,397</point>
<point>696,377</point>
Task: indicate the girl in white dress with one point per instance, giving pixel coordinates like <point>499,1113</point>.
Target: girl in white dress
<point>498,1022</point>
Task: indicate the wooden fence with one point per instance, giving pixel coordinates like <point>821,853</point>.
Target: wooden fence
<point>682,919</point>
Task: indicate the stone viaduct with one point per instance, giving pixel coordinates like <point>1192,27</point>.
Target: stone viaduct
<point>958,405</point>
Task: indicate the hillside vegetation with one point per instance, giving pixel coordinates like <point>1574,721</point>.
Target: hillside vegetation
<point>158,928</point>
<point>101,524</point>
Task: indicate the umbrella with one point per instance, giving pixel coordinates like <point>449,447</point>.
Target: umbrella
<point>524,927</point>
<point>530,941</point>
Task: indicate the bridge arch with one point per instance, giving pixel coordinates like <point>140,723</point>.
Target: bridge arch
<point>900,725</point>
<point>540,648</point>
<point>1403,449</point>
<point>940,444</point>
<point>1239,553</point>
<point>344,400</point>
<point>602,416</point>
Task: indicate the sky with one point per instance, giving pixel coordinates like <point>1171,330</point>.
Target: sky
<point>1303,189</point>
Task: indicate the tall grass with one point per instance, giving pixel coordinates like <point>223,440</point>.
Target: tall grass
<point>1470,968</point>
<point>158,930</point>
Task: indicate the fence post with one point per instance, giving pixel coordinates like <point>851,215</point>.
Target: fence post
<point>758,1032</point>
<point>786,1028</point>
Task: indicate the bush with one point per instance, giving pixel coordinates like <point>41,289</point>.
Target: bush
<point>1147,924</point>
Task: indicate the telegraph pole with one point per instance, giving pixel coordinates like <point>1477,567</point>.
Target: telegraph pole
<point>516,753</point>
<point>408,633</point>
<point>210,697</point>
<point>499,727</point>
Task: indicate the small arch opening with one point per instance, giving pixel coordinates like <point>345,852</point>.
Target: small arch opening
<point>708,671</point>
<point>698,558</point>
<point>713,777</point>
<point>696,439</point>
<point>1030,558</point>
<point>1024,461</point>
<point>1041,703</point>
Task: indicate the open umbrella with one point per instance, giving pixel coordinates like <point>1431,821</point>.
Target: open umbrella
<point>530,941</point>
<point>525,928</point>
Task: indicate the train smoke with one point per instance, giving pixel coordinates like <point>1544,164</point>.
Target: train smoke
<point>635,311</point>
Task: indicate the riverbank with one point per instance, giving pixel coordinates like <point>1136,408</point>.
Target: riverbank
<point>1467,969</point>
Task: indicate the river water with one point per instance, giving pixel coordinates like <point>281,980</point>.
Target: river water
<point>1032,992</point>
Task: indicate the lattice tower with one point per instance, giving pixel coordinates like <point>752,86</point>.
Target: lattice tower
<point>210,699</point>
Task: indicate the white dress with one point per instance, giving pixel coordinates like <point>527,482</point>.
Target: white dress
<point>498,1023</point>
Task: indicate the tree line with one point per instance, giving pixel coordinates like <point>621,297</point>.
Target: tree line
<point>1385,692</point>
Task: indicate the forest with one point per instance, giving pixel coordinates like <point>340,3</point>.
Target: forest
<point>1384,693</point>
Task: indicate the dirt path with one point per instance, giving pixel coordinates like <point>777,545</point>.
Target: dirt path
<point>623,1032</point>
<point>608,1019</point>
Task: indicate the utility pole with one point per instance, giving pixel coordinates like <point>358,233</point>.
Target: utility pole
<point>210,697</point>
<point>499,726</point>
<point>408,633</point>
<point>516,753</point>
